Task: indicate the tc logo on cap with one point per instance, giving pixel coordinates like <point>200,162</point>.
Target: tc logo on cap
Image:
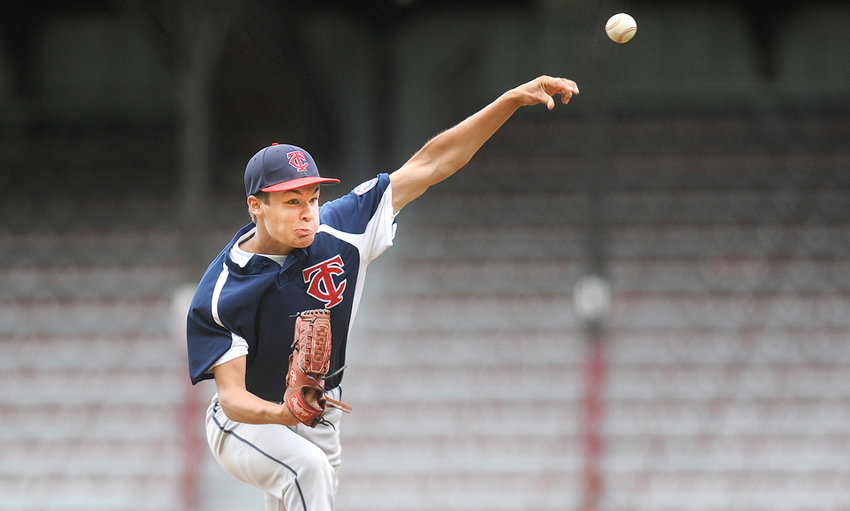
<point>297,160</point>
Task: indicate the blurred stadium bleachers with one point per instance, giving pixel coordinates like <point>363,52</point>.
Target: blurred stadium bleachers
<point>721,223</point>
<point>727,344</point>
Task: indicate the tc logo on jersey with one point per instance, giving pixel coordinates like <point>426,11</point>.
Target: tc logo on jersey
<point>297,160</point>
<point>320,282</point>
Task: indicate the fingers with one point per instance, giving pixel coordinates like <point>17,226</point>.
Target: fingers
<point>542,90</point>
<point>554,86</point>
<point>566,88</point>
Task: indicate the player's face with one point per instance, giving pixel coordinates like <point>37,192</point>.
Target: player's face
<point>291,218</point>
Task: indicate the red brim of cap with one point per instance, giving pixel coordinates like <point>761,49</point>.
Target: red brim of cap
<point>300,182</point>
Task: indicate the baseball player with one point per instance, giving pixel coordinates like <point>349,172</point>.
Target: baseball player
<point>250,326</point>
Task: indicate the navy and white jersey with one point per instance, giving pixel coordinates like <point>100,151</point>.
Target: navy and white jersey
<point>245,303</point>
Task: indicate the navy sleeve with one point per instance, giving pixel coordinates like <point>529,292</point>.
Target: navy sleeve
<point>352,212</point>
<point>206,340</point>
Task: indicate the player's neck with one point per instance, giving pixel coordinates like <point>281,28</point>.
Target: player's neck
<point>261,243</point>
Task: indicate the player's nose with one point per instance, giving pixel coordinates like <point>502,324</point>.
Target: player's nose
<point>308,212</point>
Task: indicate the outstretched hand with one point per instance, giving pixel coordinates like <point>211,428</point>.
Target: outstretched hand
<point>543,89</point>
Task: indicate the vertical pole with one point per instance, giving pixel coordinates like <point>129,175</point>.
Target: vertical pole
<point>585,21</point>
<point>199,30</point>
<point>595,162</point>
<point>591,424</point>
<point>596,158</point>
<point>191,446</point>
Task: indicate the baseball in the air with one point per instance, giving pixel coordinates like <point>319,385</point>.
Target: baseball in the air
<point>621,28</point>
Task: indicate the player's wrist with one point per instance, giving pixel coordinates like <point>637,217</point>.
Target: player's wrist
<point>512,98</point>
<point>283,415</point>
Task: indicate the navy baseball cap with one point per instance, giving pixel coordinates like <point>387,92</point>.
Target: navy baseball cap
<point>281,167</point>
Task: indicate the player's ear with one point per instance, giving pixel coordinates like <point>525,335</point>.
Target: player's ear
<point>255,206</point>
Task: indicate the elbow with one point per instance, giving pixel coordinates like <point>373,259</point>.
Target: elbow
<point>226,403</point>
<point>233,405</point>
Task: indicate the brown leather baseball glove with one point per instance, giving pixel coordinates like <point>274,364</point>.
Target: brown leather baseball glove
<point>308,368</point>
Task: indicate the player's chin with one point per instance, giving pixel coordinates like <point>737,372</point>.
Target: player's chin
<point>303,239</point>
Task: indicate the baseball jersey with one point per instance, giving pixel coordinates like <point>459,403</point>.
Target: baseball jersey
<point>245,303</point>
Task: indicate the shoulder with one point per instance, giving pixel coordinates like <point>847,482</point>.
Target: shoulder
<point>223,272</point>
<point>355,209</point>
